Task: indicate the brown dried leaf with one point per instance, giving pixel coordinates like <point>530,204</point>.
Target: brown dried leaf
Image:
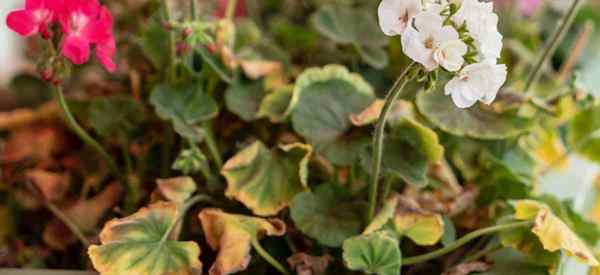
<point>22,117</point>
<point>468,268</point>
<point>52,185</point>
<point>36,143</point>
<point>305,264</point>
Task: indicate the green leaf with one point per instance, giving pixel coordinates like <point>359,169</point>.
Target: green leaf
<point>475,122</point>
<point>137,245</point>
<point>245,100</point>
<point>155,43</point>
<point>409,148</point>
<point>116,117</point>
<point>232,236</point>
<point>374,56</point>
<point>267,180</point>
<point>185,105</point>
<point>275,104</point>
<point>29,90</point>
<point>508,261</point>
<point>323,101</point>
<point>375,253</point>
<point>449,235</point>
<point>190,161</point>
<point>328,214</point>
<point>339,23</point>
<point>584,133</point>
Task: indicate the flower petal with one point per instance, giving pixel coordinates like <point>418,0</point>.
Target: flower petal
<point>105,53</point>
<point>22,22</point>
<point>76,49</point>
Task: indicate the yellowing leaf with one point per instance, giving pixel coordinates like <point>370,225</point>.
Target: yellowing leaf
<point>422,228</point>
<point>141,244</point>
<point>549,149</point>
<point>232,236</point>
<point>370,115</point>
<point>267,180</point>
<point>383,216</point>
<point>176,189</point>
<point>555,234</point>
<point>527,209</point>
<point>255,69</point>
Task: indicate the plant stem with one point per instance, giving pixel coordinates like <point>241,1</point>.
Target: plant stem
<point>72,226</point>
<point>172,47</point>
<point>265,255</point>
<point>391,97</point>
<point>550,48</point>
<point>194,7</point>
<point>464,240</point>
<point>231,8</point>
<point>83,135</point>
<point>387,187</point>
<point>183,210</point>
<point>212,145</point>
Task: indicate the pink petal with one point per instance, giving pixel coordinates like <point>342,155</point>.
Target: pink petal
<point>22,22</point>
<point>105,53</point>
<point>76,49</point>
<point>34,4</point>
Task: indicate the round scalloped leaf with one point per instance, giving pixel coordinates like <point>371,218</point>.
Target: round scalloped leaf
<point>232,235</point>
<point>267,180</point>
<point>376,57</point>
<point>184,104</point>
<point>245,100</point>
<point>475,122</point>
<point>328,214</point>
<point>137,245</point>
<point>339,23</point>
<point>116,117</point>
<point>176,189</point>
<point>275,104</point>
<point>584,133</point>
<point>324,100</point>
<point>375,253</point>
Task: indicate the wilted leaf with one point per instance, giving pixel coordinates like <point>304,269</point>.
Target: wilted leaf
<point>384,215</point>
<point>527,209</point>
<point>245,100</point>
<point>305,264</point>
<point>176,189</point>
<point>85,214</point>
<point>25,116</point>
<point>255,69</point>
<point>409,149</point>
<point>35,143</point>
<point>185,105</point>
<point>399,110</point>
<point>323,100</point>
<point>375,253</point>
<point>421,227</point>
<point>548,148</point>
<point>267,180</point>
<point>139,244</point>
<point>584,133</point>
<point>116,117</point>
<point>232,236</point>
<point>475,122</point>
<point>468,268</point>
<point>52,185</point>
<point>275,104</point>
<point>327,214</point>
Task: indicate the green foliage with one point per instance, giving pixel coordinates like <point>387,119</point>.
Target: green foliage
<point>375,253</point>
<point>245,100</point>
<point>584,133</point>
<point>116,117</point>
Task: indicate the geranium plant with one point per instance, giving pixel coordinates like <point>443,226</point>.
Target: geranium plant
<point>297,137</point>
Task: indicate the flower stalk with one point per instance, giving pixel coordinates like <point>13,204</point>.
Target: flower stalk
<point>265,255</point>
<point>391,97</point>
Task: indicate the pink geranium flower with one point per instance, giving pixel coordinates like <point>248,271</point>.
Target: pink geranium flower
<point>35,18</point>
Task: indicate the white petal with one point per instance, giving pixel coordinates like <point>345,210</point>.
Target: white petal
<point>396,15</point>
<point>428,23</point>
<point>450,55</point>
<point>414,48</point>
<point>455,89</point>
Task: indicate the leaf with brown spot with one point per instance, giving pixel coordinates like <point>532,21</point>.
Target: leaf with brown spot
<point>232,236</point>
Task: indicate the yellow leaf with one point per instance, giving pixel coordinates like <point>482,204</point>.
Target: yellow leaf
<point>422,228</point>
<point>384,215</point>
<point>176,189</point>
<point>555,234</point>
<point>232,235</point>
<point>527,209</point>
<point>142,244</point>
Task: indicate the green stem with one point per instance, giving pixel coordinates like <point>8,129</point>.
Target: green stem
<point>265,255</point>
<point>230,11</point>
<point>464,240</point>
<point>387,187</point>
<point>194,7</point>
<point>183,210</point>
<point>550,48</point>
<point>172,46</point>
<point>391,97</point>
<point>212,145</point>
<point>81,133</point>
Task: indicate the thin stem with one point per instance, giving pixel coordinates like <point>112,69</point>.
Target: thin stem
<point>183,210</point>
<point>391,97</point>
<point>79,131</point>
<point>550,48</point>
<point>194,7</point>
<point>212,145</point>
<point>231,8</point>
<point>387,187</point>
<point>172,47</point>
<point>464,240</point>
<point>265,255</point>
<point>72,226</point>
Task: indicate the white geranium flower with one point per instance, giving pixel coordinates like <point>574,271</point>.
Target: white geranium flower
<point>477,82</point>
<point>396,15</point>
<point>430,43</point>
<point>482,24</point>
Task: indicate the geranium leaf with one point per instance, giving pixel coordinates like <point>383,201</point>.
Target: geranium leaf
<point>323,100</point>
<point>421,227</point>
<point>338,23</point>
<point>155,43</point>
<point>185,105</point>
<point>327,214</point>
<point>275,104</point>
<point>475,122</point>
<point>267,180</point>
<point>508,261</point>
<point>176,189</point>
<point>139,244</point>
<point>376,57</point>
<point>245,100</point>
<point>584,133</point>
<point>232,236</point>
<point>116,117</point>
<point>383,216</point>
<point>375,253</point>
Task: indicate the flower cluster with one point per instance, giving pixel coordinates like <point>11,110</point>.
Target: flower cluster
<point>462,40</point>
<point>84,24</point>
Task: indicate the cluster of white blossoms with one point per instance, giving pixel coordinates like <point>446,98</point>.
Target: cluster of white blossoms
<point>463,40</point>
